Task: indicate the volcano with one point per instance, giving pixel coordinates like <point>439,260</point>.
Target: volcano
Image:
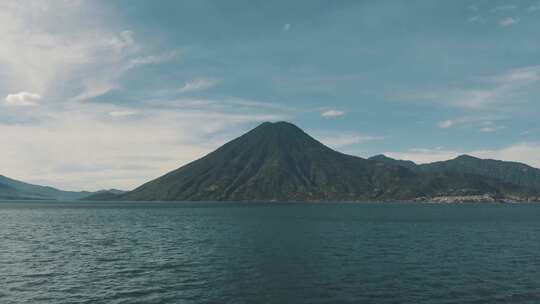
<point>280,162</point>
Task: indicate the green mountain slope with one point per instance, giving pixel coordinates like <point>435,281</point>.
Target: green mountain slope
<point>17,189</point>
<point>279,162</point>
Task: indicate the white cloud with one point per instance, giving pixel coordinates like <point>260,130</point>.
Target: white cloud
<point>286,27</point>
<point>342,140</point>
<point>23,99</point>
<point>446,124</point>
<point>332,113</point>
<point>75,58</point>
<point>122,113</point>
<point>115,152</point>
<point>508,21</point>
<point>528,153</point>
<point>38,51</point>
<point>197,85</point>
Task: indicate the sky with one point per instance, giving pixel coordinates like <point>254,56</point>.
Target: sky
<point>110,94</point>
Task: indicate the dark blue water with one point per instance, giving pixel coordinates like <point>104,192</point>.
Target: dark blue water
<point>268,253</point>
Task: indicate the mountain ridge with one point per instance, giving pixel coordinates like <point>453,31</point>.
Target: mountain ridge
<point>507,171</point>
<point>280,162</point>
<point>14,189</point>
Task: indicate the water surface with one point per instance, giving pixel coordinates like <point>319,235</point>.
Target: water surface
<point>112,252</point>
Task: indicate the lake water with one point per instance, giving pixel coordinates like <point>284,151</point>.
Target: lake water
<point>268,253</point>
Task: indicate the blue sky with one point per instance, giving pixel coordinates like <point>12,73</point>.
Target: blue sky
<point>100,94</point>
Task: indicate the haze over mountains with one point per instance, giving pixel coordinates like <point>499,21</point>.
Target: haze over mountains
<point>13,189</point>
<point>17,190</point>
<point>280,162</point>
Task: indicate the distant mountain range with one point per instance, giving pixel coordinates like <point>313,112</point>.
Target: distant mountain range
<point>16,190</point>
<point>280,162</point>
<point>103,195</point>
<point>509,172</point>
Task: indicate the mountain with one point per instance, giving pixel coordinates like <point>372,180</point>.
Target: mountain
<point>7,192</point>
<point>103,195</point>
<point>395,162</point>
<point>280,162</point>
<point>14,189</point>
<point>509,172</point>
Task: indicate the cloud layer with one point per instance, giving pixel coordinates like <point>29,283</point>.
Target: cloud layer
<point>81,139</point>
<point>101,96</point>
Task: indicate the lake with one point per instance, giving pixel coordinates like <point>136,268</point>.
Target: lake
<point>115,252</point>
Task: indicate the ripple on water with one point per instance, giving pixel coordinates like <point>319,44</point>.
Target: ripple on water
<point>287,253</point>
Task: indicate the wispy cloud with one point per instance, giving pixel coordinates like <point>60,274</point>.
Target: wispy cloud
<point>286,27</point>
<point>445,124</point>
<point>197,85</point>
<point>152,59</point>
<point>256,104</point>
<point>22,99</point>
<point>217,103</point>
<point>533,8</point>
<point>503,90</point>
<point>72,58</point>
<point>343,140</point>
<point>107,79</point>
<point>505,7</point>
<point>483,123</point>
<point>476,18</point>
<point>123,42</point>
<point>28,28</point>
<point>94,87</point>
<point>490,127</point>
<point>122,113</point>
<point>508,21</point>
<point>332,113</point>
